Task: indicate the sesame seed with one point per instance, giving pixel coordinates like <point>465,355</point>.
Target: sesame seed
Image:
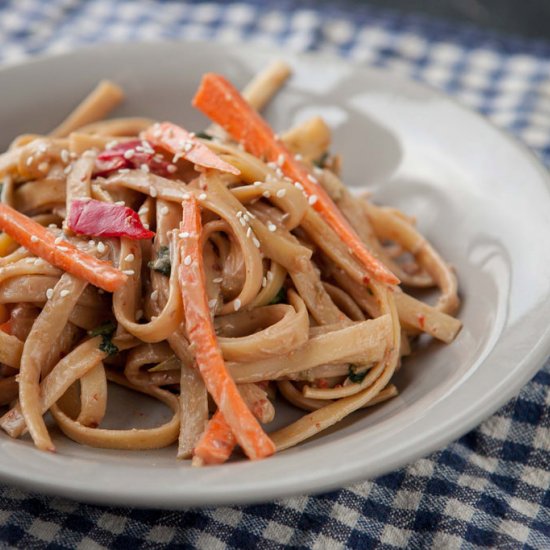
<point>269,276</point>
<point>146,225</point>
<point>111,144</point>
<point>298,157</point>
<point>279,173</point>
<point>34,239</point>
<point>188,146</point>
<point>250,214</point>
<point>237,305</point>
<point>129,258</point>
<point>64,293</point>
<point>62,248</point>
<point>186,196</point>
<point>42,148</point>
<point>91,243</point>
<point>239,214</point>
<point>124,171</point>
<point>312,200</point>
<point>145,168</point>
<point>281,193</point>
<point>311,178</point>
<point>29,160</point>
<point>120,203</point>
<point>266,194</point>
<point>176,157</point>
<point>272,165</point>
<point>202,196</point>
<point>257,183</point>
<point>154,295</point>
<point>171,168</point>
<point>153,191</point>
<point>100,247</point>
<point>49,293</point>
<point>246,217</point>
<point>143,210</point>
<point>67,169</point>
<point>217,280</point>
<point>44,166</point>
<point>65,156</point>
<point>52,226</point>
<point>38,261</point>
<point>58,240</point>
<point>281,159</point>
<point>271,226</point>
<point>164,210</point>
<point>256,242</point>
<point>264,282</point>
<point>249,232</point>
<point>139,314</point>
<point>242,221</point>
<point>128,272</point>
<point>212,303</point>
<point>129,154</point>
<point>187,260</point>
<point>184,234</point>
<point>298,185</point>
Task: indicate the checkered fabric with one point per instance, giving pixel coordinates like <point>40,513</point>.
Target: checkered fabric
<point>488,489</point>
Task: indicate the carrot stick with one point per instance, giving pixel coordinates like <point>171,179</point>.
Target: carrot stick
<point>183,144</point>
<point>200,330</point>
<point>221,101</point>
<point>38,240</point>
<point>217,441</point>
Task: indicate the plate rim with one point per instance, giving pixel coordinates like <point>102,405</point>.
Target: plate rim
<point>445,433</point>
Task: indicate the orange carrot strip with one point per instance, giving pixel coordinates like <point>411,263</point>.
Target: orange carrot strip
<point>38,240</point>
<point>248,432</point>
<point>183,144</point>
<point>221,101</point>
<point>217,441</point>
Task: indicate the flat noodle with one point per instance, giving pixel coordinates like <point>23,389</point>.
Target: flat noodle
<point>293,309</point>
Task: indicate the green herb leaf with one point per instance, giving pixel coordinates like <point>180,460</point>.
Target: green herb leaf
<point>279,297</point>
<point>107,345</point>
<point>354,376</point>
<point>162,264</point>
<point>321,161</point>
<point>106,329</point>
<point>203,135</point>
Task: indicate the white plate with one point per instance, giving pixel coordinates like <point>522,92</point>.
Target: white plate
<point>482,198</point>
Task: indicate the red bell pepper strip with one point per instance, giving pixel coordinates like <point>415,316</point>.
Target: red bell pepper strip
<point>221,102</point>
<point>106,219</point>
<point>133,155</point>
<point>183,144</point>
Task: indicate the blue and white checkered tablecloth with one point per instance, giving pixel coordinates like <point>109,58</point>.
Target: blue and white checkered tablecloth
<point>488,489</point>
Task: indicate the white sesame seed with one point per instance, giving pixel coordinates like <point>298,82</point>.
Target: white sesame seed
<point>129,154</point>
<point>62,248</point>
<point>124,171</point>
<point>100,247</point>
<point>269,276</point>
<point>281,193</point>
<point>171,168</point>
<point>120,203</point>
<point>44,166</point>
<point>187,260</point>
<point>271,226</point>
<point>298,185</point>
<point>91,243</point>
<point>34,239</point>
<point>154,295</point>
<point>257,183</point>
<point>186,196</point>
<point>237,305</point>
<point>279,173</point>
<point>128,272</point>
<point>176,157</point>
<point>272,165</point>
<point>202,196</point>
<point>67,169</point>
<point>242,221</point>
<point>264,282</point>
<point>164,210</point>
<point>318,171</point>
<point>298,157</point>
<point>184,234</point>
<point>153,191</point>
<point>312,200</point>
<point>266,194</point>
<point>239,214</point>
<point>111,144</point>
<point>250,214</point>
<point>38,261</point>
<point>311,178</point>
<point>42,148</point>
<point>281,159</point>
<point>217,280</point>
<point>58,240</point>
<point>212,303</point>
<point>129,258</point>
<point>52,226</point>
<point>256,242</point>
<point>65,156</point>
<point>29,160</point>
<point>188,146</point>
<point>143,210</point>
<point>249,232</point>
<point>49,293</point>
<point>64,293</point>
<point>139,314</point>
<point>146,225</point>
<point>145,168</point>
